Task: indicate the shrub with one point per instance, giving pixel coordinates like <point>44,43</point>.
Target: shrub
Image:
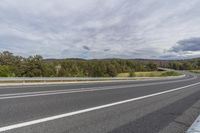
<point>170,73</point>
<point>132,74</point>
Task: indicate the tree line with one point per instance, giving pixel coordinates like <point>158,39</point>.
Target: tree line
<point>192,64</point>
<point>35,66</point>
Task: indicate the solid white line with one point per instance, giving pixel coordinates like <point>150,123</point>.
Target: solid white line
<point>24,124</point>
<point>57,92</point>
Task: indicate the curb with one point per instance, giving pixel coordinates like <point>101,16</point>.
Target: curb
<point>195,128</point>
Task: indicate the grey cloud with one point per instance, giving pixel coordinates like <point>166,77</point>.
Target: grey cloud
<point>86,48</point>
<point>192,44</point>
<point>106,50</point>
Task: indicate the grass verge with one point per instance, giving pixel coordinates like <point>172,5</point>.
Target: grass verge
<point>195,71</point>
<point>150,74</point>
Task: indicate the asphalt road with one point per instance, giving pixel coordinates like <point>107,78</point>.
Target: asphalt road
<point>151,106</point>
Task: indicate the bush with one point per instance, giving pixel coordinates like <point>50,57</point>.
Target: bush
<point>6,71</point>
<point>170,73</point>
<point>132,74</point>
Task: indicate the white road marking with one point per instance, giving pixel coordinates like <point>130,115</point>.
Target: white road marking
<point>69,91</point>
<point>29,123</point>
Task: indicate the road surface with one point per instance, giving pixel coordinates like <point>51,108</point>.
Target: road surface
<point>151,106</point>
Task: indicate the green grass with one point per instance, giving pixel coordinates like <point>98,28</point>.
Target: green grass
<point>151,74</point>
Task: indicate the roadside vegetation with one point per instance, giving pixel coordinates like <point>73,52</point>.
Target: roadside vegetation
<point>191,64</point>
<point>36,66</point>
<point>195,71</point>
<point>149,74</point>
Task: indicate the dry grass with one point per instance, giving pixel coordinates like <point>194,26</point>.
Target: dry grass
<point>195,71</point>
<point>150,74</point>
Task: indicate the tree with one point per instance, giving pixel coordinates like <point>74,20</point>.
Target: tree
<point>33,67</point>
<point>151,66</point>
<point>111,71</point>
<point>187,66</point>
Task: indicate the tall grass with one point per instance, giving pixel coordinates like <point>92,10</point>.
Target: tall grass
<point>149,74</point>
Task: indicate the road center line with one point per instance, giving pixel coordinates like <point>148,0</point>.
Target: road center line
<point>29,123</point>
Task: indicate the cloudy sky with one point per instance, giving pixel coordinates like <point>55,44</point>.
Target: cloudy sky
<point>159,29</point>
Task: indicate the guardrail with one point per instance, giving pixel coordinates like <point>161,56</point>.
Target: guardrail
<point>6,81</point>
<point>61,78</point>
<point>26,79</point>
